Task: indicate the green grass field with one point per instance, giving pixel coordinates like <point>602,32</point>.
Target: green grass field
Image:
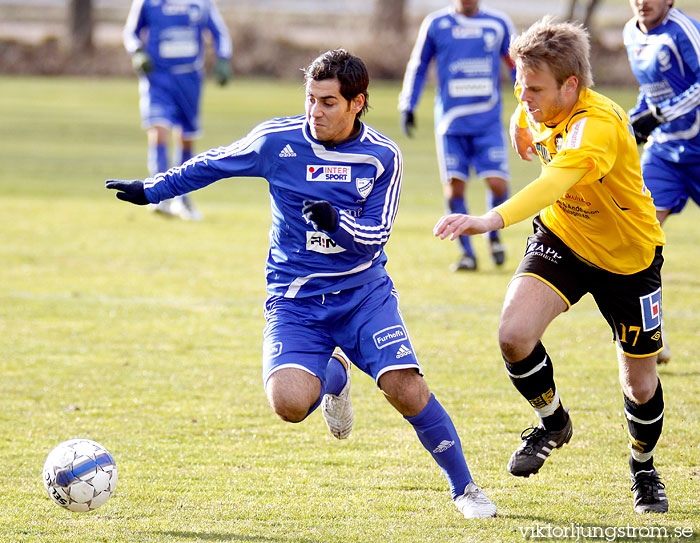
<point>145,335</point>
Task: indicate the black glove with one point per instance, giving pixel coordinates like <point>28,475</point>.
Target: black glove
<point>141,62</point>
<point>222,71</point>
<point>129,191</point>
<point>408,123</point>
<point>321,214</point>
<point>643,126</point>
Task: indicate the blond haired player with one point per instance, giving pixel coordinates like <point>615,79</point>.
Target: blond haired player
<point>596,232</point>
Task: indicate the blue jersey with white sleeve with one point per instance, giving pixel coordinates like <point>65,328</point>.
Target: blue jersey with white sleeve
<point>666,63</point>
<point>361,178</point>
<point>171,32</point>
<point>468,52</point>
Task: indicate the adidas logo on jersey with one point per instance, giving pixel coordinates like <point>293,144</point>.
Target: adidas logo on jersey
<point>287,151</point>
<point>403,351</point>
<point>444,445</point>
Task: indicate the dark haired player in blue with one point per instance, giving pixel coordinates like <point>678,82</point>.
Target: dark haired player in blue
<point>334,185</point>
<point>165,39</point>
<point>467,43</point>
<point>663,47</point>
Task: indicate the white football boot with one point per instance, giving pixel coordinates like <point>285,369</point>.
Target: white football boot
<point>337,409</point>
<point>178,206</point>
<point>163,208</point>
<point>187,210</point>
<point>474,503</point>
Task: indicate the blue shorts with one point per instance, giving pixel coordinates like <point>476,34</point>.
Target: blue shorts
<point>485,153</point>
<point>171,100</point>
<point>364,321</point>
<point>671,183</point>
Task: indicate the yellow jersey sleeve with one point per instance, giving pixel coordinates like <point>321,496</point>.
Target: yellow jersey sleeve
<point>543,191</point>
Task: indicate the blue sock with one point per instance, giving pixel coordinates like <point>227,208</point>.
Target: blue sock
<point>185,155</point>
<point>459,205</point>
<point>438,435</point>
<point>336,377</point>
<point>157,159</point>
<point>491,202</point>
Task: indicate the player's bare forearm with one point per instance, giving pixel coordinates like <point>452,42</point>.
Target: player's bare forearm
<point>457,224</point>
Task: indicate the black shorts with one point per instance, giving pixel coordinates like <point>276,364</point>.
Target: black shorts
<point>630,303</point>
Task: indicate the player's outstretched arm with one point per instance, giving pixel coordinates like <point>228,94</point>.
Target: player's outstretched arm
<point>128,190</point>
<point>457,224</point>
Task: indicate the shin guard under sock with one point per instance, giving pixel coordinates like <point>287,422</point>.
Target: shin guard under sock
<point>644,424</point>
<point>438,435</point>
<point>533,377</point>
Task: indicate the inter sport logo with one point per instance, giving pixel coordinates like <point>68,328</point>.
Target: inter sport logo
<point>338,174</point>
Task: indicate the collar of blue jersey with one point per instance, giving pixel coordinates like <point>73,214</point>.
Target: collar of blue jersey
<point>357,132</point>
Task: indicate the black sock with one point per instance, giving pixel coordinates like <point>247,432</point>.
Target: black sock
<point>641,466</point>
<point>644,424</point>
<point>557,420</point>
<point>533,377</point>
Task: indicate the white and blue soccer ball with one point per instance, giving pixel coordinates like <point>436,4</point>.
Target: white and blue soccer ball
<point>80,475</point>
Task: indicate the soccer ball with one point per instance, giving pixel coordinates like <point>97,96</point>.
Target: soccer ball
<point>80,475</point>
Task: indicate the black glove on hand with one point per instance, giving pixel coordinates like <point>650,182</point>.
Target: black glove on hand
<point>129,191</point>
<point>141,62</point>
<point>644,126</point>
<point>408,123</point>
<point>321,214</point>
<point>222,71</point>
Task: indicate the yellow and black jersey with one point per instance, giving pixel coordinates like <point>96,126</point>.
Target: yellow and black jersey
<point>591,184</point>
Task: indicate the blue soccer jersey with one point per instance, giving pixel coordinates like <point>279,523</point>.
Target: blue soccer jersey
<point>468,52</point>
<point>171,32</point>
<point>666,62</point>
<point>361,178</point>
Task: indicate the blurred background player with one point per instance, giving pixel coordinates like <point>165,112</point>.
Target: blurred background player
<point>596,233</point>
<point>165,39</point>
<point>334,191</point>
<point>467,43</point>
<point>663,47</point>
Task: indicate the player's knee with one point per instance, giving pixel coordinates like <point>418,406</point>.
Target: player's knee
<point>515,343</point>
<point>497,185</point>
<point>406,390</point>
<point>290,415</point>
<point>641,392</point>
<point>187,145</point>
<point>289,411</point>
<point>455,188</point>
<point>291,394</point>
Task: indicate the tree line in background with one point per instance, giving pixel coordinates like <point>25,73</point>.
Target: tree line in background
<point>389,15</point>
